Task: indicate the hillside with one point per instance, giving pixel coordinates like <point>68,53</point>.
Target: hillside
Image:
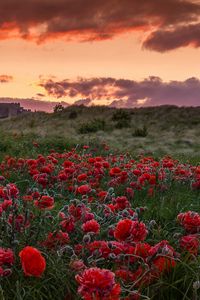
<point>161,130</point>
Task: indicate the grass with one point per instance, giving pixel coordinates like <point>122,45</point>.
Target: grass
<point>168,129</point>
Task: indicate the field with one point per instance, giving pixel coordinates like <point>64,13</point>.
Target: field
<point>100,204</point>
<point>158,130</point>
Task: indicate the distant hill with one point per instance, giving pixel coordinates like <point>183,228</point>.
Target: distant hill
<point>164,129</point>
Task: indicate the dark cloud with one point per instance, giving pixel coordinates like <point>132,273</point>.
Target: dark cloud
<point>5,78</point>
<point>40,95</point>
<point>84,102</point>
<point>150,91</point>
<point>164,40</point>
<point>88,20</point>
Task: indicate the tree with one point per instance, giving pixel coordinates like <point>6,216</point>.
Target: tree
<point>58,108</point>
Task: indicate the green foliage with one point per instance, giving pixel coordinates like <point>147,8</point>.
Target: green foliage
<point>31,123</point>
<point>122,124</point>
<point>121,115</point>
<point>140,132</point>
<point>73,114</point>
<point>92,126</point>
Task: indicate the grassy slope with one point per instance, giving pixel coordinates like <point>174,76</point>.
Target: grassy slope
<point>170,130</point>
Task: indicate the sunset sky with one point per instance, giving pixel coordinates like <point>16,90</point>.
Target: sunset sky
<point>118,52</point>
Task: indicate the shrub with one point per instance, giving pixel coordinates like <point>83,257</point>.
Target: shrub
<point>140,132</point>
<point>31,123</point>
<point>121,114</point>
<point>122,124</point>
<point>73,114</point>
<point>92,126</point>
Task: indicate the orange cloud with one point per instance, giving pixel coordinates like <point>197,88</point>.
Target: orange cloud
<point>5,78</point>
<point>94,20</point>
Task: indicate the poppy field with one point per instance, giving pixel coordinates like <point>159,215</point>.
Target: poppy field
<point>90,224</point>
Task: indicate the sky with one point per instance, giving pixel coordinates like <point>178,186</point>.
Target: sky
<point>120,53</point>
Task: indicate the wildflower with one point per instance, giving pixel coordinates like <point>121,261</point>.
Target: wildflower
<point>128,230</point>
<point>83,189</point>
<point>54,239</point>
<point>190,243</point>
<point>115,172</point>
<point>6,257</point>
<point>190,220</point>
<point>33,263</point>
<point>91,226</point>
<point>99,284</point>
<point>45,202</point>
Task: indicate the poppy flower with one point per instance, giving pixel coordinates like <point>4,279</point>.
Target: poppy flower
<point>54,239</point>
<point>91,226</point>
<point>82,177</point>
<point>99,284</point>
<point>33,263</point>
<point>115,172</point>
<point>130,230</point>
<point>190,220</point>
<point>6,256</point>
<point>190,243</point>
<point>45,202</point>
<point>84,189</point>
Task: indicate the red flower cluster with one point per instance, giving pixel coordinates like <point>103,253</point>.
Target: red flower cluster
<point>132,231</point>
<point>190,243</point>
<point>6,261</point>
<point>98,284</point>
<point>95,222</point>
<point>190,221</point>
<point>45,202</point>
<point>56,239</point>
<point>83,189</point>
<point>91,226</point>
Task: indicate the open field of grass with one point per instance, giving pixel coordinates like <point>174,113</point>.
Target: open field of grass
<point>168,129</point>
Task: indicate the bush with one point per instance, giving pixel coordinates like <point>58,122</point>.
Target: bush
<point>92,126</point>
<point>140,132</point>
<point>120,115</point>
<point>73,114</point>
<point>122,124</point>
<point>31,123</point>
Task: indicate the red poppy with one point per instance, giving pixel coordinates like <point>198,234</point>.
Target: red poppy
<point>84,189</point>
<point>98,284</point>
<point>45,202</point>
<point>130,230</point>
<point>190,221</point>
<point>91,226</point>
<point>33,263</point>
<point>82,177</point>
<point>190,243</point>
<point>115,172</point>
<point>54,239</point>
<point>6,256</point>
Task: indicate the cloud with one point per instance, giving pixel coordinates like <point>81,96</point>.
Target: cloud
<point>5,78</point>
<point>151,91</point>
<point>84,102</point>
<point>164,40</point>
<point>92,20</point>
